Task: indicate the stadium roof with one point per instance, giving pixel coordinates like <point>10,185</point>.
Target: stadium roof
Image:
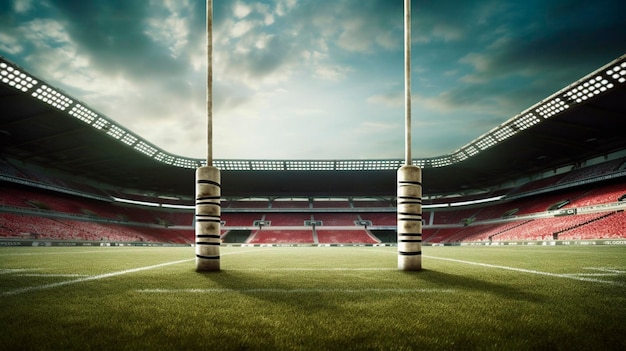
<point>42,125</point>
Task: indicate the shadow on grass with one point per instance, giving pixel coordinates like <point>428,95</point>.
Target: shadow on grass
<point>286,289</point>
<point>258,285</point>
<point>453,281</point>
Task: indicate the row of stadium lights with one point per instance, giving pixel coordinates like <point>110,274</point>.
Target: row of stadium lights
<point>578,94</point>
<point>582,92</point>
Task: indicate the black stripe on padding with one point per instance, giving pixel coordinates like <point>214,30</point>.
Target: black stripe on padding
<point>207,243</point>
<point>411,219</point>
<point>202,181</point>
<point>409,198</point>
<point>209,220</point>
<point>205,203</point>
<point>210,236</point>
<point>410,241</point>
<point>410,182</point>
<point>201,198</point>
<point>409,234</point>
<point>416,202</point>
<point>403,253</point>
<point>208,257</point>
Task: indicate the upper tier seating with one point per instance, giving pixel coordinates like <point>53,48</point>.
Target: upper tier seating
<point>287,219</point>
<point>272,236</point>
<point>242,219</point>
<point>336,219</point>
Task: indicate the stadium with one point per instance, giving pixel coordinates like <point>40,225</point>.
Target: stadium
<point>523,234</point>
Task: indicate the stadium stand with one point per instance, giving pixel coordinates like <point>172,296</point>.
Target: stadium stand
<point>44,208</point>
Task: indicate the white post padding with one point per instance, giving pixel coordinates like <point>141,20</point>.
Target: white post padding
<point>409,218</point>
<point>208,219</point>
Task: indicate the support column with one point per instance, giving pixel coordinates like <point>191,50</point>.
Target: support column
<point>208,218</point>
<point>409,218</point>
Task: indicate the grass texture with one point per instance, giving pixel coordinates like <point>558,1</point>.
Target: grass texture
<point>313,298</point>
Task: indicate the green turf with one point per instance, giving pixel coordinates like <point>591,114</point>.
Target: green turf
<point>313,298</point>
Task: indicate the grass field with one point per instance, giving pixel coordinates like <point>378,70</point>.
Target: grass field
<point>313,298</point>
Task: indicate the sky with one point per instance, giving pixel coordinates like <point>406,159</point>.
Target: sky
<point>311,79</point>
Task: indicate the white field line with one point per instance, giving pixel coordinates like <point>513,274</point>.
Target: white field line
<point>295,291</point>
<point>101,276</point>
<point>89,278</point>
<point>605,269</point>
<point>50,275</point>
<point>531,271</point>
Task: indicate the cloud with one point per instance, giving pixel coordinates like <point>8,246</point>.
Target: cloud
<point>300,78</point>
<point>388,99</point>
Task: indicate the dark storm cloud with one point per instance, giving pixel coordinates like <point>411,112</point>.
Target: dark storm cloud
<point>112,33</point>
<point>538,48</point>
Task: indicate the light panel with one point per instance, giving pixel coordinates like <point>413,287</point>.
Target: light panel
<point>145,148</point>
<point>165,158</point>
<point>349,165</point>
<point>232,165</point>
<point>115,131</point>
<point>52,97</point>
<point>486,142</point>
<point>186,163</point>
<point>552,108</point>
<point>526,121</point>
<point>100,123</point>
<point>83,113</point>
<point>504,132</point>
<point>589,89</point>
<point>15,78</point>
<point>267,165</point>
<point>129,139</point>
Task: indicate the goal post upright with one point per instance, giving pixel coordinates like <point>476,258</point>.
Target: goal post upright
<point>208,180</point>
<point>409,177</point>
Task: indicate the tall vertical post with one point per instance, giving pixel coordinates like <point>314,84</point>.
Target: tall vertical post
<point>208,186</point>
<point>409,202</point>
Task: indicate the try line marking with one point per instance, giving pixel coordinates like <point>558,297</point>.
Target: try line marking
<point>96,277</point>
<point>532,271</point>
<point>90,278</point>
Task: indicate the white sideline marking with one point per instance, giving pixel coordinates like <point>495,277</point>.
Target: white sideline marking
<point>605,269</point>
<point>89,278</point>
<point>568,276</point>
<point>98,277</point>
<point>295,291</point>
<point>50,275</point>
